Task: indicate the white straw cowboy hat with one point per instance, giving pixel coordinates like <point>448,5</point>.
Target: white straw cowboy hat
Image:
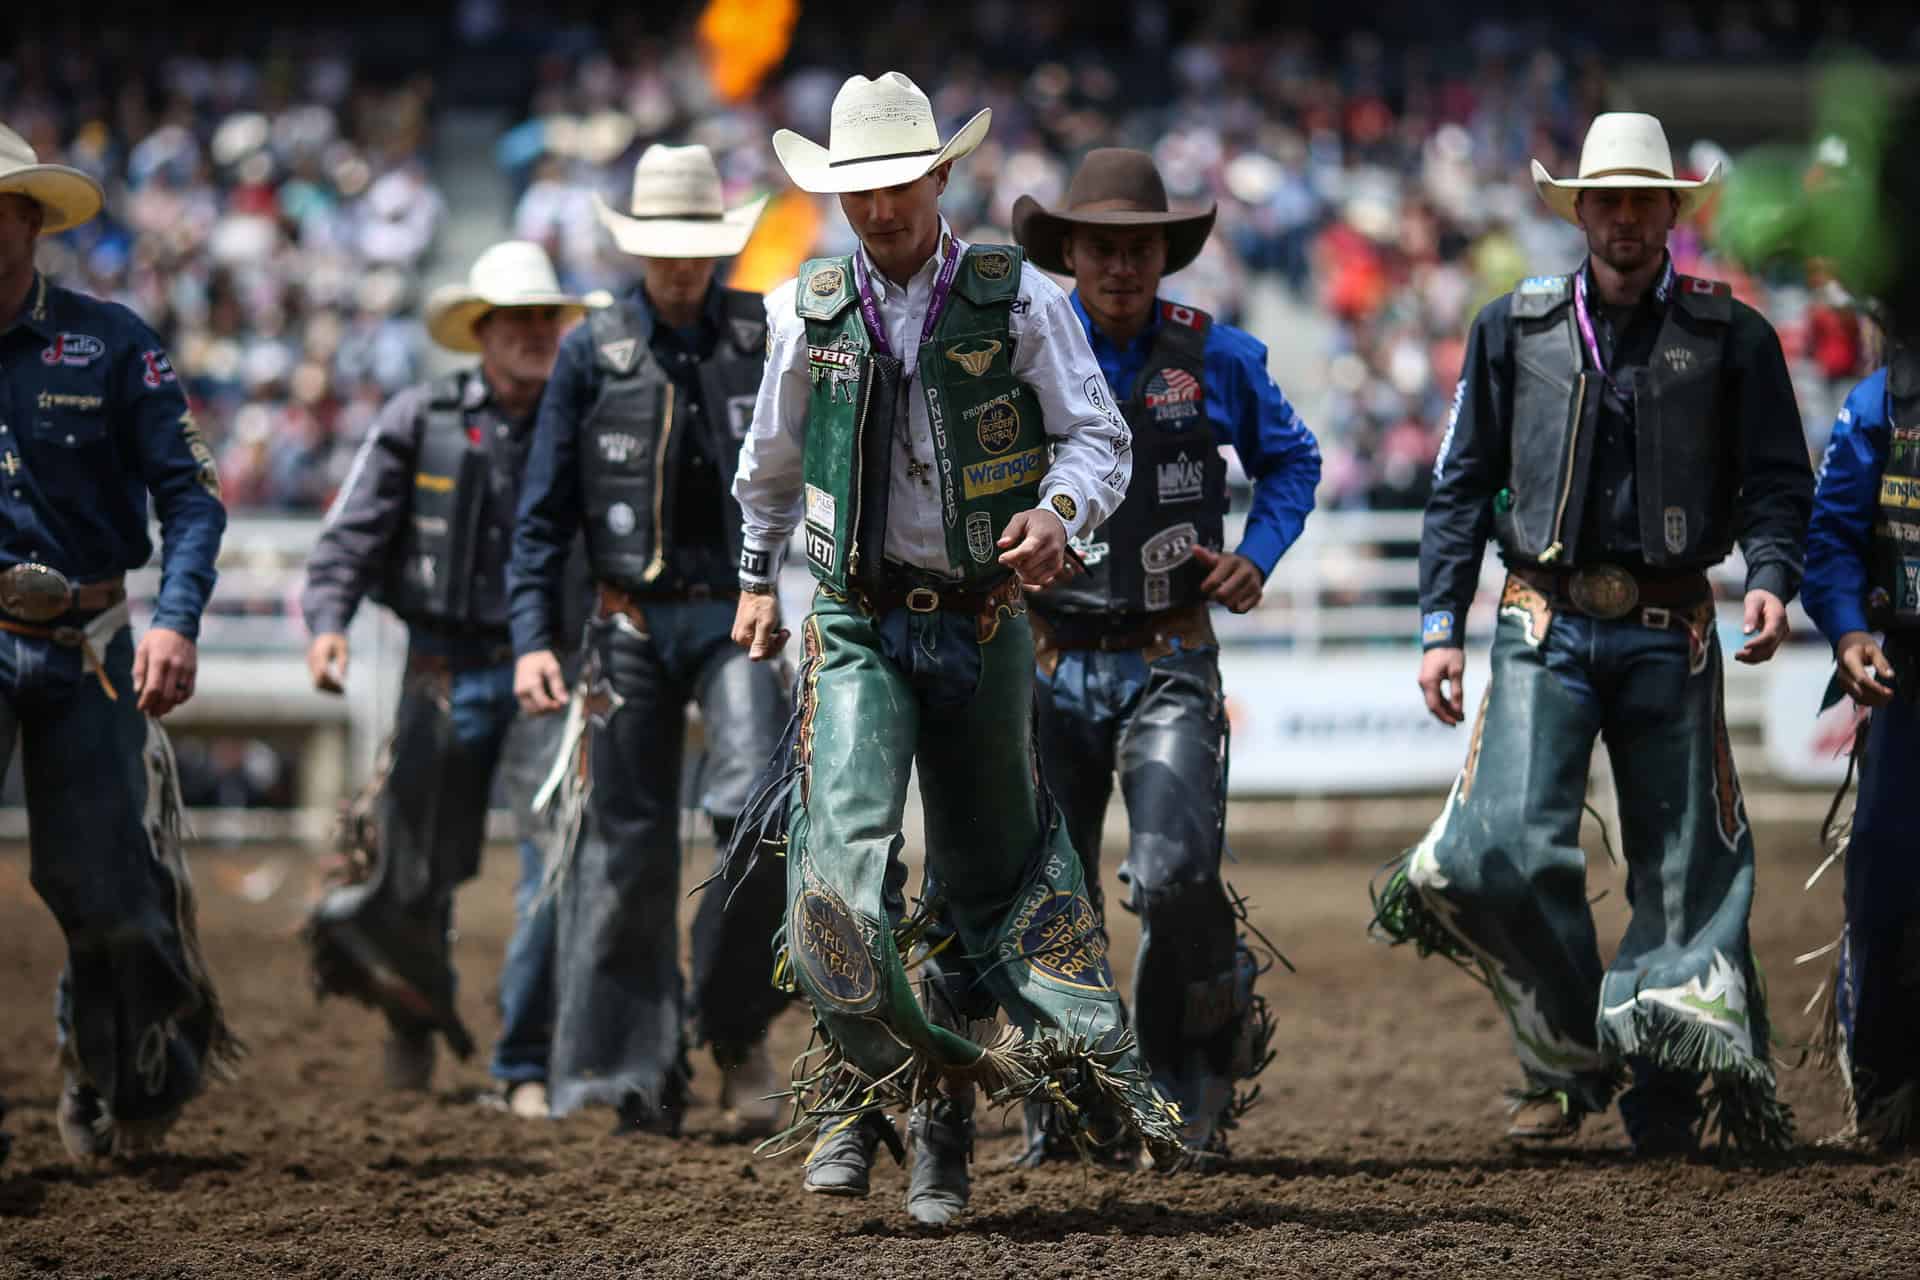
<point>68,196</point>
<point>1623,149</point>
<point>881,134</point>
<point>677,210</point>
<point>513,273</point>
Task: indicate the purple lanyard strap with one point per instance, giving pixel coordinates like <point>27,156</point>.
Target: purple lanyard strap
<point>1661,291</point>
<point>936,301</point>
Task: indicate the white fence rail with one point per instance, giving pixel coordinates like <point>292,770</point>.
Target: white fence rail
<point>1320,677</point>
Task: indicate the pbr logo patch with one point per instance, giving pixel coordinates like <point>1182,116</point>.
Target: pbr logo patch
<point>158,369</point>
<point>1173,397</point>
<point>76,350</point>
<point>1170,548</point>
<point>1064,507</point>
<point>1676,529</point>
<point>620,519</point>
<point>836,364</point>
<point>821,549</point>
<point>1060,938</point>
<point>829,949</point>
<point>975,357</point>
<point>980,537</point>
<point>826,282</point>
<point>992,266</point>
<point>997,424</point>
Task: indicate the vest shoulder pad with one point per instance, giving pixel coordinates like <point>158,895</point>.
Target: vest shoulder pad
<point>989,275</point>
<point>746,321</point>
<point>1706,299</point>
<point>1903,373</point>
<point>1538,296</point>
<point>1184,328</point>
<point>616,347</point>
<point>824,288</point>
<point>447,394</point>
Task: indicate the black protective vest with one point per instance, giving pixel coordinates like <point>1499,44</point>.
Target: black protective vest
<point>1141,559</point>
<point>448,565</point>
<point>1685,468</point>
<point>1896,528</point>
<point>631,438</point>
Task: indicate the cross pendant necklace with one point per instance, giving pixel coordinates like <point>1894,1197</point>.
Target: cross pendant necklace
<point>917,470</point>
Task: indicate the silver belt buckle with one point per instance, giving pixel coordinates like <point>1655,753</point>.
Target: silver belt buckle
<point>35,592</point>
<point>1606,591</point>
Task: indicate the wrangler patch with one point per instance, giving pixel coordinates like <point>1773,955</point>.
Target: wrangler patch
<point>1899,491</point>
<point>432,483</point>
<point>981,479</point>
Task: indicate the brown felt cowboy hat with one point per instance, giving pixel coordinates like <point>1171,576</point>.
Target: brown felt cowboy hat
<point>1113,187</point>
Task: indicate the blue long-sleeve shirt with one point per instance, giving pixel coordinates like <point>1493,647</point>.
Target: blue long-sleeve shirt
<point>1249,412</point>
<point>1840,537</point>
<point>92,421</point>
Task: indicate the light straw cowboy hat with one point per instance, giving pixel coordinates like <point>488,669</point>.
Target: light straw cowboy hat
<point>68,196</point>
<point>513,273</point>
<point>1113,187</point>
<point>677,210</point>
<point>1623,149</point>
<point>881,134</point>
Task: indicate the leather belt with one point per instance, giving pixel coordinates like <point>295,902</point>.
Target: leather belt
<point>619,601</point>
<point>35,592</point>
<point>1190,625</point>
<point>926,599</point>
<point>1610,592</point>
<point>444,664</point>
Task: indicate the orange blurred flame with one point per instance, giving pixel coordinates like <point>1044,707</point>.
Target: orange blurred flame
<point>781,242</point>
<point>742,40</point>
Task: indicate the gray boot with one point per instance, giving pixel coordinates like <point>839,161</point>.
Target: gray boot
<point>842,1158</point>
<point>942,1133</point>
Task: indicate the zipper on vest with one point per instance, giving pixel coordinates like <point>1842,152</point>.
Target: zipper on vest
<point>1555,549</point>
<point>859,471</point>
<point>658,565</point>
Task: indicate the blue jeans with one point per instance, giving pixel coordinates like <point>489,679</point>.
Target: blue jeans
<point>135,1009</point>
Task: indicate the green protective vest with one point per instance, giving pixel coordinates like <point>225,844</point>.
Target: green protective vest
<point>990,444</point>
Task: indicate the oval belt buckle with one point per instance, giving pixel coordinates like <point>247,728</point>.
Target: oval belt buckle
<point>1606,591</point>
<point>35,592</point>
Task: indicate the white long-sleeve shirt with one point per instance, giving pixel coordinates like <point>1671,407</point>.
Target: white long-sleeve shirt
<point>1092,447</point>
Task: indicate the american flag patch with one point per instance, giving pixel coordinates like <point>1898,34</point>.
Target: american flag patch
<point>1172,386</point>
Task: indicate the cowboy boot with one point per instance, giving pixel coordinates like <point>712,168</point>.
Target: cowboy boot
<point>942,1133</point>
<point>842,1157</point>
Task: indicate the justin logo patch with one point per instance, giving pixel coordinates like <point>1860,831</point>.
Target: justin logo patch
<point>75,350</point>
<point>159,370</point>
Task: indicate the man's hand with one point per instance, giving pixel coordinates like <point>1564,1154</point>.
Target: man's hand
<point>1038,542</point>
<point>327,662</point>
<point>1442,673</point>
<point>1863,667</point>
<point>1231,579</point>
<point>1766,622</point>
<point>538,683</point>
<point>164,668</point>
<point>756,626</point>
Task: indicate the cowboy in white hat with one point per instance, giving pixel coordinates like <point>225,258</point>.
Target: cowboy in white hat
<point>1616,429</point>
<point>636,448</point>
<point>933,417</point>
<point>423,524</point>
<point>98,428</point>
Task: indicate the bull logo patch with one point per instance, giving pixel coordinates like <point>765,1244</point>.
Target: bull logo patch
<point>975,358</point>
<point>979,537</point>
<point>997,426</point>
<point>829,951</point>
<point>992,266</point>
<point>826,282</point>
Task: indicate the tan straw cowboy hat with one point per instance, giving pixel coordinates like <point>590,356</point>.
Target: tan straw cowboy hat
<point>677,210</point>
<point>881,134</point>
<point>513,273</point>
<point>1623,149</point>
<point>1113,187</point>
<point>68,196</point>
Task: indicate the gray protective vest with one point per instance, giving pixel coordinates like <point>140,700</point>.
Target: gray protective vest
<point>1685,470</point>
<point>447,567</point>
<point>631,437</point>
<point>1141,559</point>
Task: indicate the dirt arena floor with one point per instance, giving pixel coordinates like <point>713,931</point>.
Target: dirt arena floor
<point>1376,1152</point>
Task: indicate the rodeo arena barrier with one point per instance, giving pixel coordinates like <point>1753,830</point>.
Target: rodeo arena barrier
<point>1330,738</point>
